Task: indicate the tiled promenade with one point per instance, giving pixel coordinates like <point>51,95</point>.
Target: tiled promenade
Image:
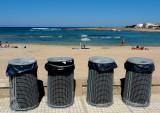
<point>80,106</point>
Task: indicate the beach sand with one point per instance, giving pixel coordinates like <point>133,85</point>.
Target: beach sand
<point>81,56</point>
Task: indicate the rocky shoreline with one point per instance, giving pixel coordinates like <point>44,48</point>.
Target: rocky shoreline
<point>117,29</point>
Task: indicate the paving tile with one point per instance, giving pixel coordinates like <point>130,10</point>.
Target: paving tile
<point>117,107</point>
<point>43,108</point>
<point>81,106</point>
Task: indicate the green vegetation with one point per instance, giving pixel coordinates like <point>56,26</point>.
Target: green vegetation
<point>132,26</point>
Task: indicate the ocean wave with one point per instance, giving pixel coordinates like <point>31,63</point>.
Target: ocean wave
<point>51,36</point>
<point>46,36</point>
<point>84,35</point>
<point>45,29</point>
<point>118,37</point>
<point>97,35</point>
<point>107,37</point>
<point>7,35</point>
<point>40,28</point>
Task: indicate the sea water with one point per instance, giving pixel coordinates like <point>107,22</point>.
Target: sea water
<point>71,36</point>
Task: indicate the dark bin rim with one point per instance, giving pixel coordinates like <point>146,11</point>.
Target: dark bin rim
<point>60,59</point>
<point>61,66</point>
<point>140,60</point>
<point>101,60</point>
<point>22,61</point>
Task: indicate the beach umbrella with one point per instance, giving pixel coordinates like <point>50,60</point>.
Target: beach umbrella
<point>85,40</point>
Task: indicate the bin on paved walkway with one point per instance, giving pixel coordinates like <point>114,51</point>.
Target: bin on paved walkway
<point>100,81</point>
<point>138,80</point>
<point>23,84</point>
<point>60,92</point>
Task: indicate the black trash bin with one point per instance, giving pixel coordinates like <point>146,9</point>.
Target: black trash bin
<point>22,74</point>
<point>60,92</point>
<point>100,81</point>
<point>138,80</point>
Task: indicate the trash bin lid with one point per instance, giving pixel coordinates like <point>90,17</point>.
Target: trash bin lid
<point>60,59</point>
<point>22,61</point>
<point>139,60</point>
<point>101,60</point>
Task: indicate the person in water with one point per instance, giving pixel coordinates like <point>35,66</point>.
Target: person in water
<point>123,41</point>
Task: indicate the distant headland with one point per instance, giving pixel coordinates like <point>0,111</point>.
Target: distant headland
<point>145,27</point>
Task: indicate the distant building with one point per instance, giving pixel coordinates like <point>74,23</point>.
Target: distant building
<point>148,26</point>
<point>139,26</point>
<point>153,27</point>
<point>158,25</point>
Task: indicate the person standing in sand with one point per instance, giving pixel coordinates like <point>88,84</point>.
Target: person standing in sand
<point>82,45</point>
<point>123,41</point>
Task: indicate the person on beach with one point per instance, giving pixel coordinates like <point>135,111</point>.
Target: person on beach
<point>123,41</point>
<point>142,47</point>
<point>1,45</point>
<point>82,45</point>
<point>6,45</point>
<point>137,47</point>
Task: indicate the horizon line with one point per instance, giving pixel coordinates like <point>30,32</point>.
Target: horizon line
<point>53,27</point>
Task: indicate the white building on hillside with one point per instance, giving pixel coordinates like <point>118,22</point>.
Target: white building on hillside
<point>154,27</point>
<point>139,26</point>
<point>151,26</point>
<point>147,25</point>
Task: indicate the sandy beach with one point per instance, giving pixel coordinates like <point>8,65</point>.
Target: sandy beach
<point>81,56</point>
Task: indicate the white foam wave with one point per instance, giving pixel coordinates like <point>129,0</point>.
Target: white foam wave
<point>40,28</point>
<point>46,36</point>
<point>45,29</point>
<point>117,37</point>
<point>84,35</point>
<point>106,37</point>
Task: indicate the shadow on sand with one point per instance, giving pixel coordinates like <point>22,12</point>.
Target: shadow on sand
<point>85,48</point>
<point>40,89</point>
<point>122,86</point>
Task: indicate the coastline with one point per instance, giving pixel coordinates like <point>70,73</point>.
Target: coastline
<point>127,29</point>
<point>24,44</point>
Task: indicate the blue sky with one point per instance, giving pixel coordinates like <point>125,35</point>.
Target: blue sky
<point>78,13</point>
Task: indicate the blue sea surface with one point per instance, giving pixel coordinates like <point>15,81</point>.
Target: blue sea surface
<point>70,36</point>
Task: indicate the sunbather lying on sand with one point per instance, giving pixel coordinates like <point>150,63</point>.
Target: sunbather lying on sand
<point>140,48</point>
